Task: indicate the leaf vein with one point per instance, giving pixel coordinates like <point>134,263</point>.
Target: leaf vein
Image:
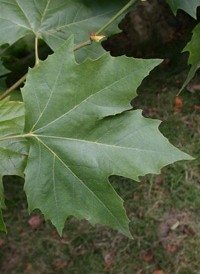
<point>95,143</point>
<point>29,23</point>
<point>82,102</point>
<point>44,12</point>
<point>49,99</point>
<point>65,165</point>
<point>81,21</point>
<point>14,23</point>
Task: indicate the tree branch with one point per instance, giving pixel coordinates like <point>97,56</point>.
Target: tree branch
<point>14,86</point>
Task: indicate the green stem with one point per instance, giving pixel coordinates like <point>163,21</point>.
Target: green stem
<point>14,86</point>
<point>23,78</point>
<point>89,42</point>
<point>77,47</point>
<point>128,5</point>
<point>86,43</point>
<point>36,51</point>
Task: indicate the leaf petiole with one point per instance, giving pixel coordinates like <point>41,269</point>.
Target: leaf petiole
<point>86,43</point>
<point>127,6</point>
<point>77,47</point>
<point>14,86</point>
<point>89,41</point>
<point>36,51</point>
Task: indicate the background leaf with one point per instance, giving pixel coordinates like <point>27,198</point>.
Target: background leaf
<point>54,21</point>
<point>77,140</point>
<point>194,54</point>
<point>3,70</point>
<point>13,152</point>
<point>189,6</point>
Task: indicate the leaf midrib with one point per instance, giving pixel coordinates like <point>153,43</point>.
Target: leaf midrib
<point>76,106</point>
<point>14,23</point>
<point>94,143</point>
<point>78,22</point>
<point>64,164</point>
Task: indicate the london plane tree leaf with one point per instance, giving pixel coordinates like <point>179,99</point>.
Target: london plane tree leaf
<point>13,152</point>
<point>54,21</point>
<point>189,6</point>
<point>80,133</point>
<point>194,54</point>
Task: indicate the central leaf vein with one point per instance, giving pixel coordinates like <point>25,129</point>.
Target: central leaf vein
<point>50,96</point>
<point>92,18</point>
<point>65,165</point>
<point>76,106</point>
<point>44,13</point>
<point>98,144</point>
<point>25,16</point>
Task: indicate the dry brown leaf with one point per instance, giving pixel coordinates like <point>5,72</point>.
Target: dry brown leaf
<point>108,259</point>
<point>2,241</point>
<point>147,256</point>
<point>178,104</point>
<point>59,265</point>
<point>29,267</point>
<point>35,221</point>
<point>158,272</point>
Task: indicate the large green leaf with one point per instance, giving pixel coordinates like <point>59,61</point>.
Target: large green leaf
<point>77,139</point>
<point>194,54</point>
<point>13,152</point>
<point>189,6</point>
<point>54,21</point>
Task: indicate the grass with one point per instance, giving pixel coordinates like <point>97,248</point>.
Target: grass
<point>164,209</point>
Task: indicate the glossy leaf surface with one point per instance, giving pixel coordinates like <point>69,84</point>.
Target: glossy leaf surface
<point>194,54</point>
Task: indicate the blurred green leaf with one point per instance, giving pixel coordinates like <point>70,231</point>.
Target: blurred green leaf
<point>194,54</point>
<point>13,152</point>
<point>189,6</point>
